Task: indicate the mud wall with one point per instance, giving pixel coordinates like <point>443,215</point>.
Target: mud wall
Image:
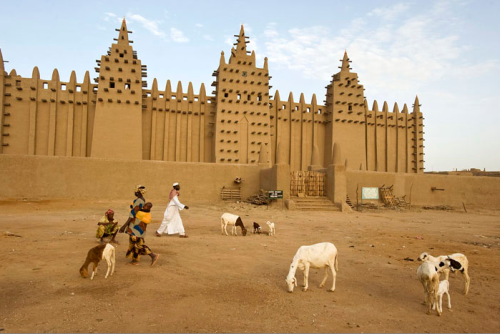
<point>473,191</point>
<point>40,177</point>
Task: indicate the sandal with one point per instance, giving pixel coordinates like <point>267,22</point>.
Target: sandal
<point>158,234</point>
<point>134,263</point>
<point>155,259</point>
<point>183,236</point>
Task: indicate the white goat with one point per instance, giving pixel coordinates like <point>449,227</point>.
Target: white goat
<point>458,262</point>
<point>318,256</point>
<point>428,275</point>
<point>444,288</point>
<point>95,255</point>
<point>272,229</point>
<point>230,219</point>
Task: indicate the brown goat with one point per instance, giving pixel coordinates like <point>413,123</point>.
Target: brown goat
<point>95,255</point>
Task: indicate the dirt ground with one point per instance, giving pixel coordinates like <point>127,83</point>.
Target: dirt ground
<point>214,283</point>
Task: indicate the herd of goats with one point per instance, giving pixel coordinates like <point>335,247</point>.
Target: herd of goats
<point>325,255</point>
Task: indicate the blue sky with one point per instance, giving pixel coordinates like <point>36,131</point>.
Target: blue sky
<point>446,52</point>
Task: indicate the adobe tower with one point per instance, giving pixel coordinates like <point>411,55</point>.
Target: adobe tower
<point>118,119</point>
<point>242,97</point>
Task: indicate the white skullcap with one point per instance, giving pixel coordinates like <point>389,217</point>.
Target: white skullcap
<point>175,184</point>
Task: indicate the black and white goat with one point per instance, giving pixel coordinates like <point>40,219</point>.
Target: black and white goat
<point>458,261</point>
<point>234,220</point>
<point>256,228</point>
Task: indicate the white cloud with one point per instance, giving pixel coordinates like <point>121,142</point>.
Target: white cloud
<point>270,31</point>
<point>388,57</point>
<point>111,17</point>
<point>178,36</point>
<point>100,27</point>
<point>208,37</point>
<point>150,25</point>
<point>198,25</point>
<point>390,13</point>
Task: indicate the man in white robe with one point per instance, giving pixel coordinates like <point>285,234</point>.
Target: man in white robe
<point>172,222</point>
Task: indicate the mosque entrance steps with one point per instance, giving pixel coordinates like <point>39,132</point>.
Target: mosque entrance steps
<point>316,203</point>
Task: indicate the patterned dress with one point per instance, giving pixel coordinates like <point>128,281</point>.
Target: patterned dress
<point>137,231</point>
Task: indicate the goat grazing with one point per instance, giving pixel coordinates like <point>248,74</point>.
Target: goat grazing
<point>272,230</point>
<point>444,288</point>
<point>256,228</point>
<point>230,219</point>
<point>95,255</point>
<point>428,275</point>
<point>458,262</point>
<point>318,256</point>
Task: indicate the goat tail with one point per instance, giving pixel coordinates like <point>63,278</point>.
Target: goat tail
<point>337,262</point>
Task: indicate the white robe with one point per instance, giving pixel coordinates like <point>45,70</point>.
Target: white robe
<point>172,222</point>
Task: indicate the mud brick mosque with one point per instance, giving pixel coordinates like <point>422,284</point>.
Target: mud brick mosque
<point>239,122</point>
<point>102,135</point>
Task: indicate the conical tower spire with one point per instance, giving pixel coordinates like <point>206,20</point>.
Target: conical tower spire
<point>222,61</point>
<point>345,63</point>
<point>416,106</point>
<point>123,36</point>
<point>241,45</point>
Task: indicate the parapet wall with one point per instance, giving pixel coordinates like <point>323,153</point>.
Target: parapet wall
<point>473,191</point>
<point>41,177</point>
<point>46,117</point>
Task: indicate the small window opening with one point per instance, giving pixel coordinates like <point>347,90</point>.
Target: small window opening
<point>296,107</point>
<point>348,82</point>
<point>173,97</point>
<point>18,83</point>
<point>244,73</point>
<point>123,37</point>
<point>121,55</point>
<point>308,110</point>
<point>45,85</point>
<point>259,97</point>
<point>78,88</point>
<point>238,97</point>
<point>350,107</point>
<point>127,86</point>
<point>196,99</point>
<point>249,97</point>
<point>94,89</point>
<point>226,94</point>
<point>148,94</point>
<point>161,96</point>
<point>319,111</point>
<point>111,84</point>
<point>209,101</point>
<point>283,107</point>
<point>63,87</point>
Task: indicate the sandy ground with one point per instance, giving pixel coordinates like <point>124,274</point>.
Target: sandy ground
<point>215,283</point>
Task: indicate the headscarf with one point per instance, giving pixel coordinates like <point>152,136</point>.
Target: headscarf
<point>140,189</point>
<point>109,212</point>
